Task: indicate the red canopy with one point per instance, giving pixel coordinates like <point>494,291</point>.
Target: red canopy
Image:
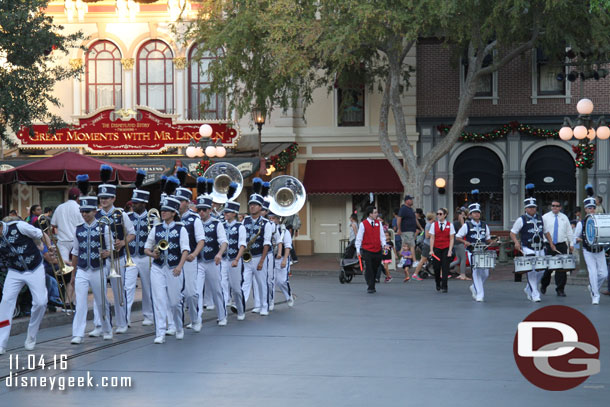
<point>351,177</point>
<point>65,167</point>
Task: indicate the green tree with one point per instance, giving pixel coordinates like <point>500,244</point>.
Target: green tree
<point>29,45</point>
<point>277,52</point>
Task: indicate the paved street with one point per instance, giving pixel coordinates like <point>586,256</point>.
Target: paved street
<point>338,346</point>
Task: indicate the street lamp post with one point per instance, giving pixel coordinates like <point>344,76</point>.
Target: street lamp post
<point>584,130</point>
<point>259,118</point>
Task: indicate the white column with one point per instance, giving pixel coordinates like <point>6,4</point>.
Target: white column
<point>128,89</point>
<point>180,65</point>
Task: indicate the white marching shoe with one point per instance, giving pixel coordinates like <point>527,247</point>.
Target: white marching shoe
<point>30,343</point>
<point>180,335</point>
<point>159,340</point>
<point>222,322</point>
<point>108,336</point>
<point>290,301</point>
<point>96,332</point>
<point>147,322</point>
<point>121,330</point>
<point>77,340</point>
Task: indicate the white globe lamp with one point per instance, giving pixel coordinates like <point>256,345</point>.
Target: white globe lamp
<point>566,133</point>
<point>580,132</point>
<point>205,131</point>
<point>584,106</point>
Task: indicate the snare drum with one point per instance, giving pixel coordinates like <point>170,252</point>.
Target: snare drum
<point>556,262</point>
<point>568,262</point>
<point>524,264</point>
<point>484,260</point>
<point>597,229</point>
<point>542,262</point>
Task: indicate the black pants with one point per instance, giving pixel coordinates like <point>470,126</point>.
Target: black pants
<point>373,261</point>
<point>561,277</point>
<point>441,268</point>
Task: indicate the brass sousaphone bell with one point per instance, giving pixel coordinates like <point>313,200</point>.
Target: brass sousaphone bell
<point>223,175</point>
<point>287,195</point>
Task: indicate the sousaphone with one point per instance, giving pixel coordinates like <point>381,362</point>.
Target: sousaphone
<point>287,195</point>
<point>223,175</point>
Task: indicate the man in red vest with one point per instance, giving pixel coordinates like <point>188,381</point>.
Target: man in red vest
<point>370,240</point>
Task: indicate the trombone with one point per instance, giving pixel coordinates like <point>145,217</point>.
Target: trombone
<point>63,269</point>
<point>104,220</point>
<point>116,215</point>
<point>153,218</point>
<point>115,261</point>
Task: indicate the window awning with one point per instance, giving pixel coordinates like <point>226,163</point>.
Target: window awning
<point>351,177</point>
<point>551,169</point>
<point>478,168</point>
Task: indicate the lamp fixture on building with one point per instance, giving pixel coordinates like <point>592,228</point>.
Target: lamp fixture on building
<point>585,126</point>
<point>258,115</point>
<point>440,183</point>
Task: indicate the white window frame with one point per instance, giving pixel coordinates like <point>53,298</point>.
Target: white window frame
<point>535,96</point>
<point>494,83</point>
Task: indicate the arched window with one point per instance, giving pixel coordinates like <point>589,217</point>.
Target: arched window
<point>156,76</point>
<point>211,107</point>
<point>103,73</point>
<point>468,175</point>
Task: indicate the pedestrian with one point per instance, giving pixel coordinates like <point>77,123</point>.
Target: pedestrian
<point>459,219</point>
<point>370,240</point>
<point>48,211</point>
<point>407,223</point>
<point>530,229</point>
<point>397,238</point>
<point>425,247</point>
<point>558,239</point>
<point>406,260</point>
<point>442,235</point>
<point>386,257</point>
<point>35,212</point>
<point>293,224</point>
<point>353,227</point>
<point>599,208</point>
<point>594,255</point>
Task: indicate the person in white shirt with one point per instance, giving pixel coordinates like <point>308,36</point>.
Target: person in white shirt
<point>370,240</point>
<point>594,255</point>
<point>558,239</point>
<point>282,262</point>
<point>442,236</point>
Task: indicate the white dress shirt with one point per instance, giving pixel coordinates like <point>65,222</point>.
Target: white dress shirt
<point>360,234</point>
<point>442,225</point>
<point>464,230</point>
<point>564,229</point>
<point>66,218</point>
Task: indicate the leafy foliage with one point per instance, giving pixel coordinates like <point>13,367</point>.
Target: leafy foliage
<point>29,44</point>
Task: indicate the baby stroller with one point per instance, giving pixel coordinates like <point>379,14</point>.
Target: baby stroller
<point>350,264</point>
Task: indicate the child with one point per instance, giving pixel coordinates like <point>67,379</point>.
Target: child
<point>386,258</point>
<point>406,261</point>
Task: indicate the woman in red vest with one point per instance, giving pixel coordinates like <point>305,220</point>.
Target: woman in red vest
<point>442,235</point>
<point>370,240</point>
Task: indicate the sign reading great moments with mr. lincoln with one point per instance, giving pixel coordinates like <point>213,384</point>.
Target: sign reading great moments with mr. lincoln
<point>127,132</point>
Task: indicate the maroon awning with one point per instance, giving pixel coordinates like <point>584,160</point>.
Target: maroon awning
<point>351,177</point>
<point>65,167</point>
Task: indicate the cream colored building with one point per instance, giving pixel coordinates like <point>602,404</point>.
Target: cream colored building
<point>136,61</point>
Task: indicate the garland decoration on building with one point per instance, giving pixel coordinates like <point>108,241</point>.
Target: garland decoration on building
<point>202,166</point>
<point>284,158</point>
<point>501,132</point>
<point>585,153</point>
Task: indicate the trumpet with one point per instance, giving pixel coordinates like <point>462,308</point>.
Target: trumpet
<point>162,245</point>
<point>63,269</point>
<point>116,215</point>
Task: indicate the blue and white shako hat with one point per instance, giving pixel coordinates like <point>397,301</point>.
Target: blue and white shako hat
<point>231,206</point>
<point>589,201</point>
<point>529,201</point>
<point>261,189</point>
<point>475,206</point>
<point>266,203</point>
<point>204,190</point>
<point>139,195</point>
<point>170,184</point>
<point>171,204</point>
<point>183,194</point>
<point>106,190</point>
<point>87,202</point>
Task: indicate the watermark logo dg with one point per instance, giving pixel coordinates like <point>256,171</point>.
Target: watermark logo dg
<point>556,348</point>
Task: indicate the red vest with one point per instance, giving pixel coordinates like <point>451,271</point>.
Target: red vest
<point>371,241</point>
<point>441,238</point>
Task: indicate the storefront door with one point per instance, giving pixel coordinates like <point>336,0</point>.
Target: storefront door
<point>329,221</point>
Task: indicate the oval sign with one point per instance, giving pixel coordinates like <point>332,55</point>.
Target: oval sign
<point>548,180</point>
<point>474,180</point>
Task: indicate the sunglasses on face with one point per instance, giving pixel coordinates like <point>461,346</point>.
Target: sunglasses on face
<point>440,214</point>
<point>556,206</point>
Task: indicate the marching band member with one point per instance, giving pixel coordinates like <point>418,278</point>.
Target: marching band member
<point>559,239</point>
<point>194,228</point>
<point>139,218</point>
<point>282,262</point>
<point>166,275</point>
<point>232,262</point>
<point>270,261</point>
<point>92,244</point>
<point>212,253</point>
<point>18,243</point>
<point>594,255</point>
<point>472,231</point>
<point>123,233</point>
<point>205,300</point>
<point>530,229</point>
<point>258,236</point>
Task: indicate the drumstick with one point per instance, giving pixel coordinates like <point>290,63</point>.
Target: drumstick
<point>360,261</point>
<point>434,255</point>
<point>4,323</point>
